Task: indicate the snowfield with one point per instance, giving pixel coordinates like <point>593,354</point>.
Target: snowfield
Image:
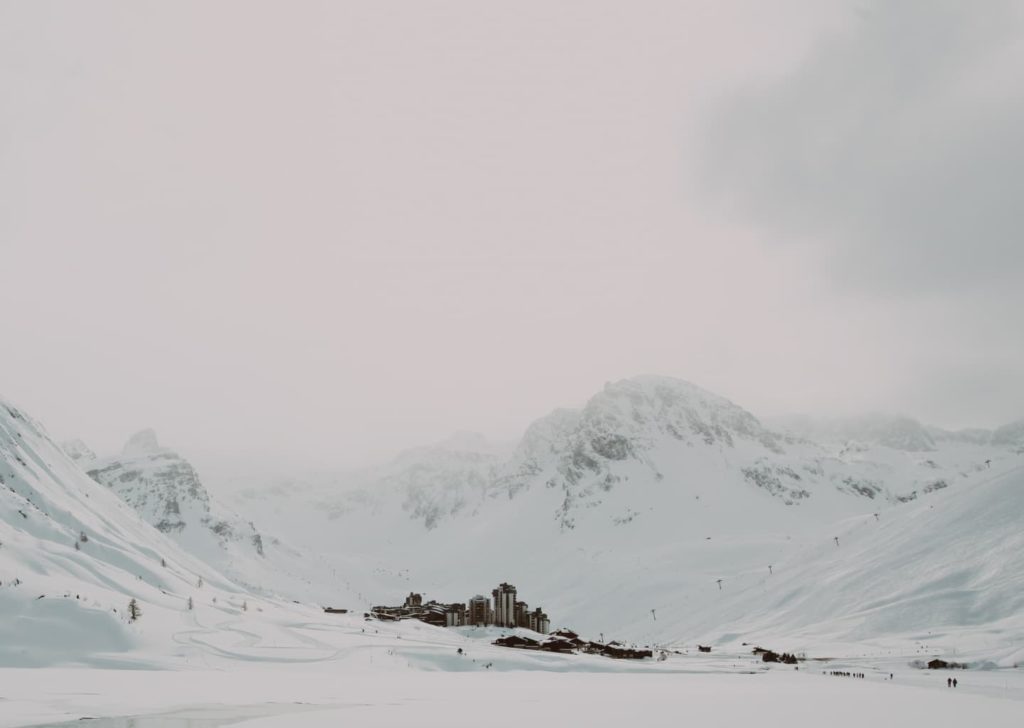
<point>285,696</point>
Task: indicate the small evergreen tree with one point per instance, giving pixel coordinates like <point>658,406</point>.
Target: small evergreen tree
<point>77,547</point>
<point>82,537</point>
<point>245,606</point>
<point>199,583</point>
<point>163,563</point>
<point>190,604</point>
<point>134,612</point>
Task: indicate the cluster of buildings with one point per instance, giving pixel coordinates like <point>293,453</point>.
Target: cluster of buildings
<point>567,641</point>
<point>502,610</point>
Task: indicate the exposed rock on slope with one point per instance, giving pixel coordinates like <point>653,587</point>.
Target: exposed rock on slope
<point>165,490</point>
<point>649,430</point>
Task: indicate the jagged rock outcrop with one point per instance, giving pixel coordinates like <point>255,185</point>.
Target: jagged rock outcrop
<point>587,452</point>
<point>165,490</point>
<point>141,443</point>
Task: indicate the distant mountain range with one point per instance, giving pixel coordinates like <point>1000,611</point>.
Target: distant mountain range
<point>658,512</point>
<point>642,499</point>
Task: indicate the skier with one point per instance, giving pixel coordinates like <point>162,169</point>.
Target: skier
<point>954,682</point>
<point>949,682</point>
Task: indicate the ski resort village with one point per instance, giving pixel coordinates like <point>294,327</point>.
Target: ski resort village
<point>505,611</point>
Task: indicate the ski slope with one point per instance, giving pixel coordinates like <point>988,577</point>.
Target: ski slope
<point>942,577</point>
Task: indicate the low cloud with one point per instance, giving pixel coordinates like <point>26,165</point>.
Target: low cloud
<point>898,144</point>
<point>894,153</point>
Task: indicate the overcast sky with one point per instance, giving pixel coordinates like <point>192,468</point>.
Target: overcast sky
<point>328,231</point>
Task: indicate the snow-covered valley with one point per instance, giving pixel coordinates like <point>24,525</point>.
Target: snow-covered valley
<point>667,514</point>
<point>658,514</point>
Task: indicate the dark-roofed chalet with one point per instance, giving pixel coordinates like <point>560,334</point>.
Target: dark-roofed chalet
<point>558,644</point>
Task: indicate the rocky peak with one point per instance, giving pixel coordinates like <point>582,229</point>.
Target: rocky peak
<point>143,442</point>
<point>165,489</point>
<point>583,452</point>
<point>633,413</point>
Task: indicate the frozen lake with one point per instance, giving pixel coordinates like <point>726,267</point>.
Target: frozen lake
<point>328,698</point>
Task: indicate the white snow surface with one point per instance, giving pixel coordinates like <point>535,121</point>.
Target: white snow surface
<point>713,693</point>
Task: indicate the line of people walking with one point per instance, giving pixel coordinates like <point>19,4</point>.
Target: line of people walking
<point>840,673</point>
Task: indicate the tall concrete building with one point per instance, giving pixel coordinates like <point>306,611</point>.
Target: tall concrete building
<point>455,614</point>
<point>522,615</point>
<point>504,605</point>
<point>538,621</point>
<point>478,611</point>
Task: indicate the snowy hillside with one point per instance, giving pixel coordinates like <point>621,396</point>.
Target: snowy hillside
<point>73,555</point>
<point>165,489</point>
<point>947,572</point>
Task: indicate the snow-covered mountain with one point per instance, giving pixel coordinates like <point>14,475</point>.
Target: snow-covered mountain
<point>647,430</point>
<point>72,556</point>
<point>165,489</point>
<point>641,500</point>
